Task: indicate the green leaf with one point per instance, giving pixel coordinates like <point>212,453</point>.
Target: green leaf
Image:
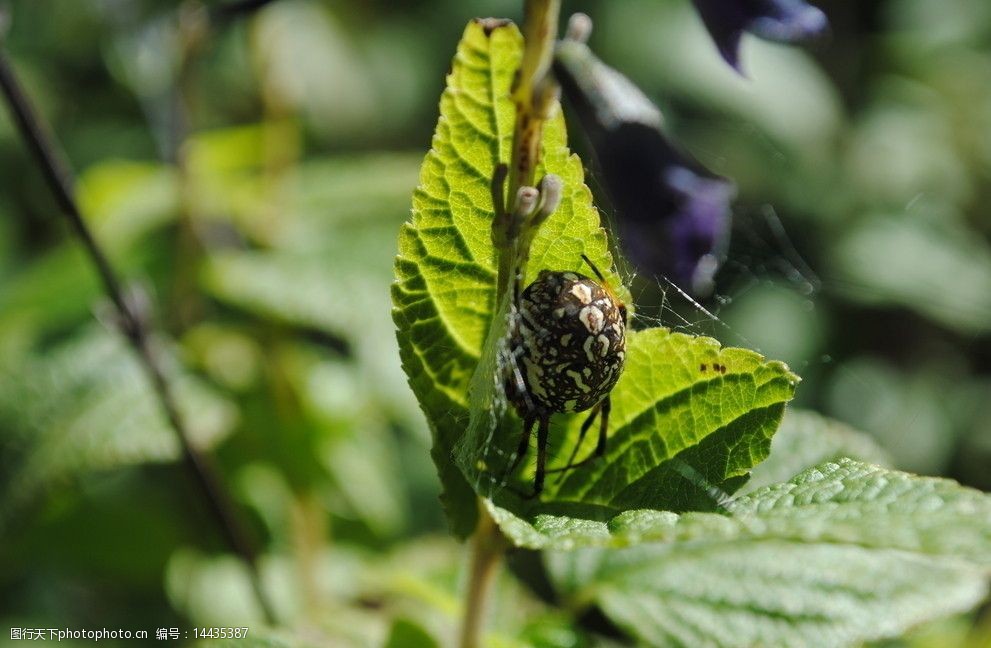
<point>769,593</point>
<point>444,296</point>
<point>681,429</point>
<point>845,552</point>
<point>852,502</point>
<point>409,634</point>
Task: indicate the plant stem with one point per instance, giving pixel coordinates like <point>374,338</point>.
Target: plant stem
<point>132,323</point>
<point>487,547</point>
<point>535,96</point>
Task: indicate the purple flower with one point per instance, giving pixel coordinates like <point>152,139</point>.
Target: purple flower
<point>673,215</point>
<point>786,21</point>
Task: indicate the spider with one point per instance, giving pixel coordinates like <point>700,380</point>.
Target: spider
<point>567,339</point>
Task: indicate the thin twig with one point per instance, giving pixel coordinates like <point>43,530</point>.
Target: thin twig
<point>133,324</point>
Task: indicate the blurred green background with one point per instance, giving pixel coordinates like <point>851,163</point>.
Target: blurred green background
<point>251,176</point>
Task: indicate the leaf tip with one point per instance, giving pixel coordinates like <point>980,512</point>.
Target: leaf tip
<point>489,25</point>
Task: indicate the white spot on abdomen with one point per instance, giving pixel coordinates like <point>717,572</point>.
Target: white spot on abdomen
<point>582,292</point>
<point>592,318</point>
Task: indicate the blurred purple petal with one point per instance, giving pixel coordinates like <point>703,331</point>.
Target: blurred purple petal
<point>785,21</point>
<point>673,215</point>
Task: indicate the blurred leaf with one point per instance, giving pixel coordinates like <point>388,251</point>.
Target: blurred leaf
<point>124,200</point>
<point>226,180</point>
<point>843,553</point>
<point>902,149</point>
<point>350,190</point>
<point>936,270</point>
<point>212,591</point>
<point>909,412</point>
<point>230,357</point>
<point>423,581</point>
<point>338,442</point>
<point>265,488</point>
<point>337,290</point>
<point>353,596</point>
<point>289,288</point>
<point>974,454</point>
<point>307,60</point>
<point>806,439</point>
<point>367,472</point>
<point>86,405</point>
<point>359,452</point>
<point>123,526</point>
<point>144,55</point>
<point>213,154</point>
<point>929,27</point>
<point>57,289</point>
<point>408,634</point>
<point>336,257</point>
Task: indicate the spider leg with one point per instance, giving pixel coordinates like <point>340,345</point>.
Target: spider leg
<point>543,432</point>
<point>603,409</point>
<point>524,441</point>
<point>578,444</point>
<point>600,447</point>
<point>515,379</point>
<point>518,383</point>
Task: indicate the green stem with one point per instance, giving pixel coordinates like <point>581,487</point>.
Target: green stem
<point>487,548</point>
<point>535,96</point>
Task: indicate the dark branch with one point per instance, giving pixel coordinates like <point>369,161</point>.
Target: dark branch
<point>229,11</point>
<point>133,323</point>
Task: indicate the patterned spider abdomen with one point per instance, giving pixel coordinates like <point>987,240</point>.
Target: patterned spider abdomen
<point>568,340</point>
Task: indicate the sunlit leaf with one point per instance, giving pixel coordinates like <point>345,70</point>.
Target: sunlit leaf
<point>446,272</point>
<point>688,418</point>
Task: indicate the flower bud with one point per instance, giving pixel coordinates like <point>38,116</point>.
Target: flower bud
<point>785,21</point>
<point>672,214</point>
